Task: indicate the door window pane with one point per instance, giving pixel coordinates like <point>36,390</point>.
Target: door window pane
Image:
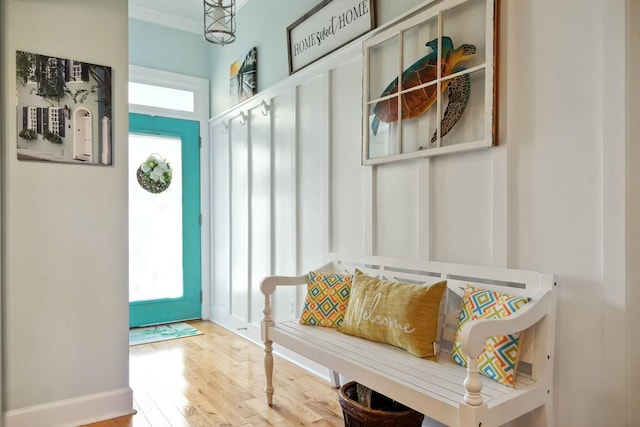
<point>155,224</point>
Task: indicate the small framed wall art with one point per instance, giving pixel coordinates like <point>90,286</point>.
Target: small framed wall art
<point>243,77</point>
<point>64,110</point>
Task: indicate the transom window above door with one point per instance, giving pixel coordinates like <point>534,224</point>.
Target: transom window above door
<point>161,93</point>
<point>161,97</point>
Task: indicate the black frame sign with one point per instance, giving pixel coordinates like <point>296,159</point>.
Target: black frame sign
<point>326,28</point>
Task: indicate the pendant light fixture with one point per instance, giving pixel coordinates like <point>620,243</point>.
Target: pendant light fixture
<point>220,21</point>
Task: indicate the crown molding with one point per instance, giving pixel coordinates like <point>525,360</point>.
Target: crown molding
<point>160,18</point>
<point>157,17</point>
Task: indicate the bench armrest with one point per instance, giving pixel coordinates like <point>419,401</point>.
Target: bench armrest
<point>474,333</point>
<point>268,287</point>
<point>269,284</point>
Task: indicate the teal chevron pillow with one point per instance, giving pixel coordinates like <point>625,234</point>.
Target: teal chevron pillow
<point>499,358</point>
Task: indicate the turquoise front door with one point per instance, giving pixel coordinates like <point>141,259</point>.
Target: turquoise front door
<point>164,227</point>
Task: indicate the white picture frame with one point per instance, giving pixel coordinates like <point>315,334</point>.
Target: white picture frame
<point>396,126</point>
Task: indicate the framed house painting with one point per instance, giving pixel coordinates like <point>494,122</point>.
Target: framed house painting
<point>64,110</point>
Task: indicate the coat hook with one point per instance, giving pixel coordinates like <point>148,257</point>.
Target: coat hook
<point>224,125</point>
<point>265,108</point>
<point>243,118</point>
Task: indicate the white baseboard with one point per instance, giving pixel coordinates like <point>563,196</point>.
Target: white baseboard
<point>74,412</point>
<point>236,325</point>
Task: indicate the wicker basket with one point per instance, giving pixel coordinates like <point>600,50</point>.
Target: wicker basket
<point>358,415</point>
<point>150,185</point>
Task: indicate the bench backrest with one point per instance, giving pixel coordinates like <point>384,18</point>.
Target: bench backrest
<point>537,342</point>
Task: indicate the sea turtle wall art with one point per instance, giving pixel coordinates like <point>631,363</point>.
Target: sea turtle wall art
<point>424,70</point>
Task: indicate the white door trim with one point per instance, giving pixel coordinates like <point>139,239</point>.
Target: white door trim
<point>200,89</point>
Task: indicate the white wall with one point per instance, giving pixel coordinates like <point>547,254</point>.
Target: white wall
<point>163,48</point>
<point>633,208</point>
<point>65,306</point>
<point>3,125</point>
<point>554,196</point>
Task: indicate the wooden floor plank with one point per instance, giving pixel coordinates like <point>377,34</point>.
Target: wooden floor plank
<point>138,420</point>
<point>217,380</point>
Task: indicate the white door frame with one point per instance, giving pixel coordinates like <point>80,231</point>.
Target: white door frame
<point>200,89</point>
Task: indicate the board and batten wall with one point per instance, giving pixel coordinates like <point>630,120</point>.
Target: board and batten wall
<point>289,188</point>
<point>65,308</point>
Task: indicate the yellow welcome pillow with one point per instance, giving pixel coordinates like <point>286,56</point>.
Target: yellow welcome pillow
<point>401,314</point>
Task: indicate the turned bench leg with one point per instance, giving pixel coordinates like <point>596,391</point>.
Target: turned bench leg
<point>472,384</point>
<point>268,370</point>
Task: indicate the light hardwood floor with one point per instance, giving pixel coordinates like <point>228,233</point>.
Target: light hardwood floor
<point>217,379</point>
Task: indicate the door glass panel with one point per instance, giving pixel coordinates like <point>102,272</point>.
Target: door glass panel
<point>155,224</point>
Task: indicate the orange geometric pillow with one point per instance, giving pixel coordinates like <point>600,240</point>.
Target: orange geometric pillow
<point>326,300</point>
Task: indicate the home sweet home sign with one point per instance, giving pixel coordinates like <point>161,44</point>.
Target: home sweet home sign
<point>327,27</point>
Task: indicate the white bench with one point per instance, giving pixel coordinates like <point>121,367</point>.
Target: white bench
<point>441,390</point>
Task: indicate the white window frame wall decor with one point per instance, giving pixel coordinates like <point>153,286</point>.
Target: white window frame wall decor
<point>408,138</point>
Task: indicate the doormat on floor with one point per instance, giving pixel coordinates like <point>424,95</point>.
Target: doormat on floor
<point>161,333</point>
